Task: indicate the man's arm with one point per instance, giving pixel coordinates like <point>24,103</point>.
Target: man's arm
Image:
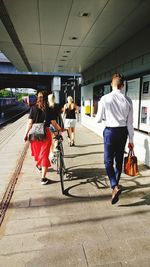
<point>100,112</point>
<point>130,126</point>
<point>29,126</point>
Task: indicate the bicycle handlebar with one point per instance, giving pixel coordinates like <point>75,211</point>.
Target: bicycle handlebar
<point>58,136</point>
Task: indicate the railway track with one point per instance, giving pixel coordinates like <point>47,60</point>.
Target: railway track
<point>8,130</point>
<point>12,113</point>
<point>7,135</point>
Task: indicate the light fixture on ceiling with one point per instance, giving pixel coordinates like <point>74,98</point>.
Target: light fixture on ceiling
<point>68,51</point>
<point>64,56</point>
<point>84,14</point>
<point>73,38</point>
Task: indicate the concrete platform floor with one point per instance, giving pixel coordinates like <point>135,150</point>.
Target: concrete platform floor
<point>43,228</point>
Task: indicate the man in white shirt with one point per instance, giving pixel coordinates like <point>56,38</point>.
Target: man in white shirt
<point>117,112</point>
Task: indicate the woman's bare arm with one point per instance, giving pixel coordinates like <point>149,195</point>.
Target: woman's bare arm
<point>29,126</point>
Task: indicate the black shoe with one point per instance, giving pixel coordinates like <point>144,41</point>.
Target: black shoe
<point>44,181</point>
<point>72,143</point>
<point>115,198</point>
<point>68,138</point>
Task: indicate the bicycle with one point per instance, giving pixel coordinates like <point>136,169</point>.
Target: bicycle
<point>61,169</point>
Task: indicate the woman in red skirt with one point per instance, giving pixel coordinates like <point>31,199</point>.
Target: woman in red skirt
<point>40,149</point>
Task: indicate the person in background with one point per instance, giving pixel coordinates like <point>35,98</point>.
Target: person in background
<point>117,112</point>
<point>53,120</point>
<point>40,149</point>
<point>70,109</point>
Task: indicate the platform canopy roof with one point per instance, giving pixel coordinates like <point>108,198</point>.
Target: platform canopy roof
<point>67,35</point>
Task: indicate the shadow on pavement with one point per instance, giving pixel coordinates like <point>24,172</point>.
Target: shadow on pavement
<point>145,201</point>
<point>98,144</point>
<point>84,154</point>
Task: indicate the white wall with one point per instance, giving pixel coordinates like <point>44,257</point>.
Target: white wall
<point>141,140</point>
<point>87,92</point>
<point>56,87</point>
<point>142,147</point>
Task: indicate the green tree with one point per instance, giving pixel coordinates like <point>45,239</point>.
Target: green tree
<point>5,93</point>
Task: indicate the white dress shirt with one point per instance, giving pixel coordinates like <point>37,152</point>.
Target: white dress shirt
<point>117,111</point>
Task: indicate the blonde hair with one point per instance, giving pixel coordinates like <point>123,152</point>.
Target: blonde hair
<point>70,99</point>
<point>51,100</point>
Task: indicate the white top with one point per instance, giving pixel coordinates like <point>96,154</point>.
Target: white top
<point>117,111</point>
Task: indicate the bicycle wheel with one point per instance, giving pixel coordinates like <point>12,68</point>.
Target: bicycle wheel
<point>61,172</point>
<point>61,149</point>
<point>58,162</point>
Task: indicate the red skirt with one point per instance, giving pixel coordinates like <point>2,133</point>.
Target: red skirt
<point>40,150</point>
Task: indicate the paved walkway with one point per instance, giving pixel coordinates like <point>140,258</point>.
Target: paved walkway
<point>43,228</point>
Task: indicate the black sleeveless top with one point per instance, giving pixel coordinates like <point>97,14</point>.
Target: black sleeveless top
<point>70,113</point>
<point>52,113</point>
<point>36,114</point>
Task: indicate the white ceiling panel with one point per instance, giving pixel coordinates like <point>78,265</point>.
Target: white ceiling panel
<point>41,36</point>
<point>33,52</point>
<point>98,53</point>
<point>66,52</point>
<point>53,19</point>
<point>112,16</point>
<point>62,62</point>
<point>36,66</point>
<point>82,53</point>
<point>138,18</point>
<point>79,25</point>
<point>49,52</point>
<point>4,36</point>
<point>122,32</point>
<point>49,66</point>
<point>12,54</point>
<point>24,15</point>
<point>74,67</point>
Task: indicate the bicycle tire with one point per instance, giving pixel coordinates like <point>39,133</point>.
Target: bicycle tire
<point>62,172</point>
<point>61,149</point>
<point>58,162</point>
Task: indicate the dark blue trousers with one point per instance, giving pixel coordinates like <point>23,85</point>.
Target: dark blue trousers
<point>114,144</point>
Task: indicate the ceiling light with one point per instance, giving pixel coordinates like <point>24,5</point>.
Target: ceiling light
<point>64,56</point>
<point>84,14</point>
<point>67,51</point>
<point>73,38</point>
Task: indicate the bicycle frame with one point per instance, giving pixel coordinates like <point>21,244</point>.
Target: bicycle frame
<point>61,170</point>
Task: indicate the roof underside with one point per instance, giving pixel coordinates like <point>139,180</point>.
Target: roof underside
<point>39,35</point>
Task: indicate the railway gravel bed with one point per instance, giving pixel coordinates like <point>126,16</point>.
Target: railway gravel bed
<point>12,153</point>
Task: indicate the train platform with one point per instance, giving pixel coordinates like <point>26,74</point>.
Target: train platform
<point>43,228</point>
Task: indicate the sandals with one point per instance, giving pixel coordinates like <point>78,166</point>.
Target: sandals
<point>115,197</point>
<point>72,143</point>
<point>39,168</point>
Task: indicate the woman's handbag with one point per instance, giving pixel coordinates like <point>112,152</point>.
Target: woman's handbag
<point>37,132</point>
<point>130,164</point>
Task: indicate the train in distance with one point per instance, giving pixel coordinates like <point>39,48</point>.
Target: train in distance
<point>7,101</point>
<point>29,100</point>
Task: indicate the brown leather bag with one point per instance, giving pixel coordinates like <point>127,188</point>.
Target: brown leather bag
<point>130,164</point>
